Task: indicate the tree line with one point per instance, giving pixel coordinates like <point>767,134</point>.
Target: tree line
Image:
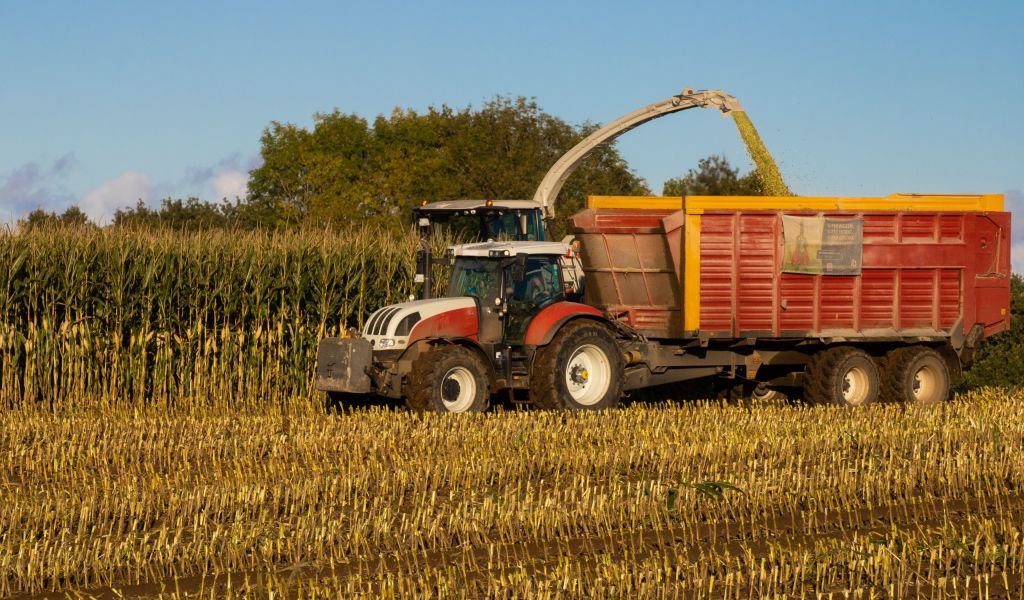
<point>346,168</point>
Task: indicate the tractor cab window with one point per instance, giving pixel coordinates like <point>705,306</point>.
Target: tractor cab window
<point>474,277</point>
<point>539,286</point>
<point>541,282</point>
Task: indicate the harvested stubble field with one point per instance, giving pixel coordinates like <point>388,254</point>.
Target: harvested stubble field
<point>683,500</point>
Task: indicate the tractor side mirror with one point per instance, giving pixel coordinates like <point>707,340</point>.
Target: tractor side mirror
<point>421,266</point>
<point>518,268</point>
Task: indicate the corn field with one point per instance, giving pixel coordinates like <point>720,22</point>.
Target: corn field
<point>158,317</point>
<point>159,438</point>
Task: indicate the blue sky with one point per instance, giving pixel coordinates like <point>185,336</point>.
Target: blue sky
<point>102,103</point>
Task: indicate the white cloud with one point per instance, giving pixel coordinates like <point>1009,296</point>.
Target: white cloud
<point>119,192</point>
<point>231,184</point>
<point>36,184</point>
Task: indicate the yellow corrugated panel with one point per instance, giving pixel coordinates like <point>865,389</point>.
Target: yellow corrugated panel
<point>651,202</point>
<point>918,202</point>
<point>691,273</point>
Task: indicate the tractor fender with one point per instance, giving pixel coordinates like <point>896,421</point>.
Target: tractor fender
<point>549,321</point>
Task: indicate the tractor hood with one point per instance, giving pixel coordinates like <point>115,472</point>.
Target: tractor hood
<point>397,326</point>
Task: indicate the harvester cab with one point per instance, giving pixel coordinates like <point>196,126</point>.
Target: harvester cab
<point>473,221</point>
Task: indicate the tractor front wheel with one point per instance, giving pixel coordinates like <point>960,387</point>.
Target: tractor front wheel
<point>448,379</point>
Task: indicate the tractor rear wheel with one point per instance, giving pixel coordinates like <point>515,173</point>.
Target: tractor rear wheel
<point>916,375</point>
<point>581,369</point>
<point>843,375</point>
<point>448,379</point>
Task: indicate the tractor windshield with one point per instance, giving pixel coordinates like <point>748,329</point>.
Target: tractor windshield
<point>475,277</point>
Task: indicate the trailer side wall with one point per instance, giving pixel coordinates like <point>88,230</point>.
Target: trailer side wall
<point>932,266</point>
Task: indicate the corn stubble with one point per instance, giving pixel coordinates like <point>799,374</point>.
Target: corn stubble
<point>704,500</point>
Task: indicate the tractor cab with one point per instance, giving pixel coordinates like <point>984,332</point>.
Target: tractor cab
<point>505,301</point>
<point>511,282</point>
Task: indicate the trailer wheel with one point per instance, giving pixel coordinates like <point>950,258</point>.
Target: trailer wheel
<point>915,374</point>
<point>843,375</point>
<point>580,369</point>
<point>448,379</point>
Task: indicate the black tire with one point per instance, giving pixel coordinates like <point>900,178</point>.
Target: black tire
<point>842,375</point>
<point>762,394</point>
<point>915,375</point>
<point>448,379</point>
<point>337,402</point>
<point>581,346</point>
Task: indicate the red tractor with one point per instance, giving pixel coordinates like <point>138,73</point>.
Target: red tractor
<point>512,309</point>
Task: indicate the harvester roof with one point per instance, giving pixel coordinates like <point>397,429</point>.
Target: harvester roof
<point>510,248</point>
<point>466,205</point>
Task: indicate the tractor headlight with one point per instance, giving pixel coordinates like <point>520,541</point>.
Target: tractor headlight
<point>383,343</point>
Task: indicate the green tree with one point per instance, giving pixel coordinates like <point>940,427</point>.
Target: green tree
<point>71,217</point>
<point>191,214</point>
<point>346,169</point>
<point>714,176</point>
<point>1000,360</point>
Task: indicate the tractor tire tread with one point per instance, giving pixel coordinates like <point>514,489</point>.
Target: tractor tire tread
<point>896,365</point>
<point>821,371</point>
<point>426,371</point>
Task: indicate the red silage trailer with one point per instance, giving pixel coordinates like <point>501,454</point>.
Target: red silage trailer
<point>779,290</point>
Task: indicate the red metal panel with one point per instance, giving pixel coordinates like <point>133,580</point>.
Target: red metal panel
<point>915,298</point>
<point>951,228</point>
<point>835,306</point>
<point>878,288</point>
<point>454,323</point>
<point>917,227</point>
<point>796,299</point>
<point>949,297</point>
<point>879,228</point>
<point>756,273</point>
<point>716,272</point>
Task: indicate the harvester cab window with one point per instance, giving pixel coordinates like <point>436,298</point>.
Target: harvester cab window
<point>509,225</point>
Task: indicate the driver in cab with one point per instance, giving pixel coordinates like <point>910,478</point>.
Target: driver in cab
<point>541,286</point>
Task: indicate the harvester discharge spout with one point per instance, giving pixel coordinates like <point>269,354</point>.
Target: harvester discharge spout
<point>556,176</point>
